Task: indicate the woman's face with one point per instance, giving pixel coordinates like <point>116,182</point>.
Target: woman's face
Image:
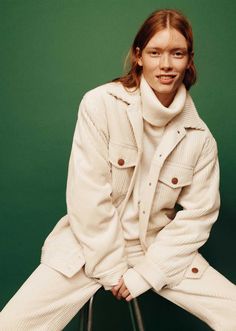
<point>164,60</point>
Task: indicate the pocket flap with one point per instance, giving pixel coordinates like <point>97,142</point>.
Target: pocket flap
<point>176,175</point>
<point>122,156</point>
<point>68,266</point>
<point>197,267</point>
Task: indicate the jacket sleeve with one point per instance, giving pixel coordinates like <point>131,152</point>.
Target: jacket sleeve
<point>92,216</point>
<point>175,245</point>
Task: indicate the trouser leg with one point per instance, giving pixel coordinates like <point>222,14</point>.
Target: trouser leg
<point>47,301</point>
<point>212,298</point>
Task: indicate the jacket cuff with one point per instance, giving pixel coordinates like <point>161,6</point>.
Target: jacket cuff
<point>151,273</point>
<point>111,279</point>
<point>135,283</point>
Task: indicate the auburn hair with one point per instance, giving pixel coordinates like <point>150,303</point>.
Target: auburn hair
<point>157,21</point>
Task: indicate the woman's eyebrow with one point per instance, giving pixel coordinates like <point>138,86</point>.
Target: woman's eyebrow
<point>179,49</point>
<point>172,49</point>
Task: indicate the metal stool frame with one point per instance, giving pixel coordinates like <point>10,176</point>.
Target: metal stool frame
<point>86,315</point>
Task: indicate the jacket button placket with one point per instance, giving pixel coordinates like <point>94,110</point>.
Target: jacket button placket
<point>148,195</point>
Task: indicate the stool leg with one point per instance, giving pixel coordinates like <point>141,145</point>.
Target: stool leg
<point>90,314</point>
<point>135,315</point>
<point>86,316</point>
<point>83,318</point>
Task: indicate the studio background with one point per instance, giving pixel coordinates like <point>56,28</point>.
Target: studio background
<point>52,52</point>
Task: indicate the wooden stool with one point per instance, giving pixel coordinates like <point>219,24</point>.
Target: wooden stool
<point>86,315</point>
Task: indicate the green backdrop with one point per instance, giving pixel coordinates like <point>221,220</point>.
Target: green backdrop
<point>52,51</point>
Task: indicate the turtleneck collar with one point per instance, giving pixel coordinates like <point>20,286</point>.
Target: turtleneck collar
<point>153,110</point>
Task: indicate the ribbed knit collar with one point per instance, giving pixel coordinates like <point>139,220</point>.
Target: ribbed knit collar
<point>153,110</point>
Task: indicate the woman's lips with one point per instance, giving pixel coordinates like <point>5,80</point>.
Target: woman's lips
<point>166,79</point>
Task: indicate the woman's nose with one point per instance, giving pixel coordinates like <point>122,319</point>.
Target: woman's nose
<point>165,62</point>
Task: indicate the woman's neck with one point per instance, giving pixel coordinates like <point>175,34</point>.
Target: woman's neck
<point>165,99</point>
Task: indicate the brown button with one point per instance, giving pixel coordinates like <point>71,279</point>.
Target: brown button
<point>195,270</point>
<point>174,180</point>
<point>121,162</point>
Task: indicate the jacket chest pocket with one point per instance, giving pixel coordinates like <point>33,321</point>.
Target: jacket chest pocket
<point>173,178</point>
<point>123,160</point>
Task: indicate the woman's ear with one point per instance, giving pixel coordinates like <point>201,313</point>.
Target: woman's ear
<point>139,57</point>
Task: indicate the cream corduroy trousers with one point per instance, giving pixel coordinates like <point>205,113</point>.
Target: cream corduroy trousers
<point>48,300</point>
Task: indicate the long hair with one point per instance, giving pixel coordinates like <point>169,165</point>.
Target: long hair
<point>157,21</point>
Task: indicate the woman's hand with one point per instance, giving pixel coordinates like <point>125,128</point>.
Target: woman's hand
<point>121,291</point>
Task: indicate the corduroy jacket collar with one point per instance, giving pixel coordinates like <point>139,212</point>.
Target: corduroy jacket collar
<point>188,118</point>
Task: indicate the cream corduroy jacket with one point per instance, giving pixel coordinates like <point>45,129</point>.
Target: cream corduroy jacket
<point>105,157</point>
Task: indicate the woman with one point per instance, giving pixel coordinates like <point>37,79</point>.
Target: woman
<point>142,195</point>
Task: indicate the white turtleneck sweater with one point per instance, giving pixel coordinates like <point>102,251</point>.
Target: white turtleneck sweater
<point>155,118</point>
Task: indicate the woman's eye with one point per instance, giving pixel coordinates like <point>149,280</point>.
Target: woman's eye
<point>154,53</point>
<point>178,54</point>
